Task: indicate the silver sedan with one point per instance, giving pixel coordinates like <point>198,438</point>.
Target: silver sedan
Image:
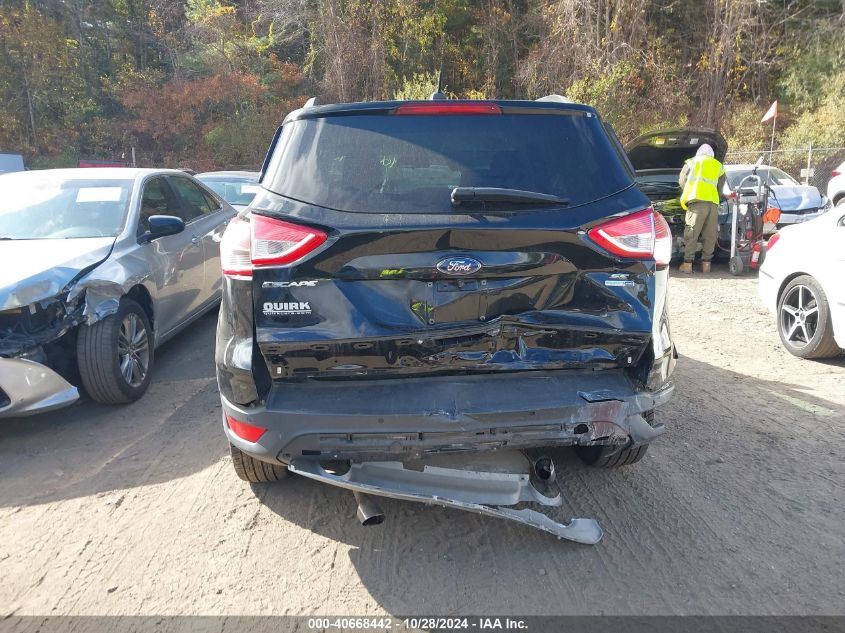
<point>100,266</point>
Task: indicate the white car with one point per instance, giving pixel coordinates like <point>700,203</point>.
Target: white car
<point>797,202</point>
<point>836,185</point>
<point>801,284</point>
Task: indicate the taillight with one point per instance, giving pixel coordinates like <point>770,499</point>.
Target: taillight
<point>835,173</point>
<point>234,249</point>
<point>265,241</point>
<point>641,235</point>
<point>435,107</point>
<point>275,243</point>
<point>248,432</point>
<point>662,240</point>
<point>772,241</point>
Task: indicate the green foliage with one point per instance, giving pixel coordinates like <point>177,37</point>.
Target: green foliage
<point>420,87</point>
<point>417,87</point>
<point>623,95</point>
<point>242,140</point>
<point>808,80</point>
<point>743,129</point>
<point>205,82</point>
<point>823,126</point>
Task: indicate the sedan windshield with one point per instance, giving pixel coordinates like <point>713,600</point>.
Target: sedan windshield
<point>233,189</point>
<point>769,175</point>
<point>37,205</point>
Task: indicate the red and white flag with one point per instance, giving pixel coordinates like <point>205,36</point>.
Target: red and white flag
<point>772,113</point>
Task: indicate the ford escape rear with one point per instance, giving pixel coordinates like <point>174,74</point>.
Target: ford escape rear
<point>417,279</point>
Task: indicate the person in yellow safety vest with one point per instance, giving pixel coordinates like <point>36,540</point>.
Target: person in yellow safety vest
<point>701,180</point>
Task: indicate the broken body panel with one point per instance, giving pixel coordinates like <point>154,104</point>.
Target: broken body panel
<point>478,488</point>
<point>412,335</point>
<point>57,285</point>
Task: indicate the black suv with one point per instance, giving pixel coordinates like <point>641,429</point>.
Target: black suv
<point>423,278</point>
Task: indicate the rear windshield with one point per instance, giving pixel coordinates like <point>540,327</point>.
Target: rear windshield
<point>410,164</point>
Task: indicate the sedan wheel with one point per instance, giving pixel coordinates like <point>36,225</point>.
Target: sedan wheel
<point>115,355</point>
<point>804,320</point>
<point>133,348</point>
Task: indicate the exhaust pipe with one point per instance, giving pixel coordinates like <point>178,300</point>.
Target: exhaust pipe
<point>544,469</point>
<point>369,511</point>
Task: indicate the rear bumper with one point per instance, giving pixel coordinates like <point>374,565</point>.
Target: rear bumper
<point>27,388</point>
<point>413,417</point>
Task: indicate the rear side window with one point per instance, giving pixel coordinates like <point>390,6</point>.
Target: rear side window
<point>410,164</point>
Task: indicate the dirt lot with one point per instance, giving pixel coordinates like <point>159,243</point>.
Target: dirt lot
<point>737,509</point>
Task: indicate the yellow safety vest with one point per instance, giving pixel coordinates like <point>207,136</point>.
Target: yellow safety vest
<point>702,180</point>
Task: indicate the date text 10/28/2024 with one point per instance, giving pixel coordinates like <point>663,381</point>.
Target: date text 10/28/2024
<point>417,623</point>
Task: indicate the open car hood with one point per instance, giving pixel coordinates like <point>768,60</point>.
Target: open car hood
<point>668,149</point>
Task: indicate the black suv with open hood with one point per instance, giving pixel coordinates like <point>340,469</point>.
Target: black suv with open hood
<point>421,278</point>
<point>658,158</point>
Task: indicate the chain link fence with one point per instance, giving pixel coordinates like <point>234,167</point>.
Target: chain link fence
<point>810,166</point>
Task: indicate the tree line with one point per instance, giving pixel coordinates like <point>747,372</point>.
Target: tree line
<point>203,83</point>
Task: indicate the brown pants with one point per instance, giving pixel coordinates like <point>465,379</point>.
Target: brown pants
<point>702,221</point>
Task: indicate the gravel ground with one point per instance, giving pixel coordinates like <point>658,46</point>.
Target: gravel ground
<point>737,509</point>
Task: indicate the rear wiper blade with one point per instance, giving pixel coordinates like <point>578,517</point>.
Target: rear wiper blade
<point>498,194</point>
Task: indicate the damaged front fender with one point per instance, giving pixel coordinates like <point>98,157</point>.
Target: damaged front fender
<point>40,305</point>
<point>41,270</point>
<point>101,297</point>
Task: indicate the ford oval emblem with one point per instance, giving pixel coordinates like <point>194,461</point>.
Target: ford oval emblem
<point>459,266</point>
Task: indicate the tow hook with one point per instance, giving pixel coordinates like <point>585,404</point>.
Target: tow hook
<point>497,484</point>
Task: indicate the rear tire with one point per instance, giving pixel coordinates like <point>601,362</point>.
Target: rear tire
<point>113,368</point>
<point>612,456</point>
<point>254,470</point>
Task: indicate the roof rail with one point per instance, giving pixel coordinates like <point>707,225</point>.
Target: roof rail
<point>556,99</point>
<point>310,103</point>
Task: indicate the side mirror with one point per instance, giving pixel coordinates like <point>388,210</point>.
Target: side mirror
<point>161,225</point>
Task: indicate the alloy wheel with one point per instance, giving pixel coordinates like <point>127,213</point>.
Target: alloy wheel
<point>799,316</point>
<point>133,349</point>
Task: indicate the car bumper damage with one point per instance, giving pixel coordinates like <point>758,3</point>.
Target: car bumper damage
<point>495,487</point>
<point>400,430</point>
<point>27,387</point>
<point>38,318</point>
